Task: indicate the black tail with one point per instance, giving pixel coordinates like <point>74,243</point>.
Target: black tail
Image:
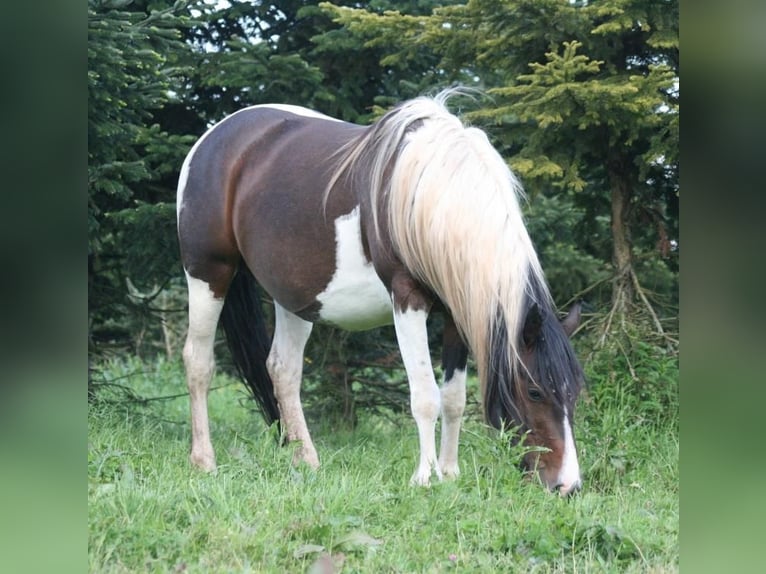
<point>249,342</point>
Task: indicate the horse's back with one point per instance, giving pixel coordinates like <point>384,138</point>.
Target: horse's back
<point>245,150</point>
<point>252,188</point>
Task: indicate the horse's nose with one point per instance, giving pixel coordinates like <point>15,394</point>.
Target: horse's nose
<point>568,489</point>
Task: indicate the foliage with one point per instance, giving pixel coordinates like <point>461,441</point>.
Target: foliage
<point>631,389</point>
<point>293,52</point>
<point>131,72</point>
<point>134,66</point>
<point>565,243</point>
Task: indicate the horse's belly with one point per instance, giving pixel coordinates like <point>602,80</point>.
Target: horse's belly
<point>355,298</point>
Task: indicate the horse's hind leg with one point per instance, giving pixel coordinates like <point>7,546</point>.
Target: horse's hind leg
<point>204,310</point>
<point>285,364</point>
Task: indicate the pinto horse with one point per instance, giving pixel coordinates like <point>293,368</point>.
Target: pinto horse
<point>366,226</point>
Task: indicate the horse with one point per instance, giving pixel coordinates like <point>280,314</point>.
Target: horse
<point>364,226</point>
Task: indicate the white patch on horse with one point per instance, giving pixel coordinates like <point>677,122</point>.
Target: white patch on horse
<point>183,177</point>
<point>204,310</point>
<point>569,475</point>
<point>355,298</point>
<point>425,399</point>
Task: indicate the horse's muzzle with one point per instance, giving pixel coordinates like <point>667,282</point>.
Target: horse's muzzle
<point>565,490</point>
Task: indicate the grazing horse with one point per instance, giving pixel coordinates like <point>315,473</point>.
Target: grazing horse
<point>366,226</point>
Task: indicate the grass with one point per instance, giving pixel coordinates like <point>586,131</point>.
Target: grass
<point>150,512</point>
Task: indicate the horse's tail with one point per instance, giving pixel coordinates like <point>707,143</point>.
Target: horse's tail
<point>245,328</point>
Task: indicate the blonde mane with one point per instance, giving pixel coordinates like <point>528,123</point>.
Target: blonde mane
<point>454,219</point>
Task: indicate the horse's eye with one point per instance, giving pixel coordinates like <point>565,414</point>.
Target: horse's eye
<point>535,394</point>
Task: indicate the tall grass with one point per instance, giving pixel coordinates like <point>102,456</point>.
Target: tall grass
<point>150,512</point>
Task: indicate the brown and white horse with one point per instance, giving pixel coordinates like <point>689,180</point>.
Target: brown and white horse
<point>367,226</point>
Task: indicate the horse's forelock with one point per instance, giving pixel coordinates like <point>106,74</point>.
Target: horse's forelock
<point>550,363</point>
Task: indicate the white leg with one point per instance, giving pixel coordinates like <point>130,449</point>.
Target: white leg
<point>453,405</point>
<point>204,310</point>
<point>424,393</point>
<point>285,364</point>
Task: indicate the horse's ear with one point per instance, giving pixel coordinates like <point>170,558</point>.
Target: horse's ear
<point>533,324</point>
<point>572,320</point>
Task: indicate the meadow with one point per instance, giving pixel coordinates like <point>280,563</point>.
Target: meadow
<point>149,511</point>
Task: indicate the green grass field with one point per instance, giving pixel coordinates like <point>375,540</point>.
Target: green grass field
<point>149,511</point>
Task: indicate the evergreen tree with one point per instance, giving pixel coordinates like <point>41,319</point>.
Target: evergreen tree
<point>133,58</point>
<point>600,115</point>
<point>584,103</point>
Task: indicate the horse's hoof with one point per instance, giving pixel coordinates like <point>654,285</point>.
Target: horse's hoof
<point>203,463</point>
<point>417,480</point>
<point>449,471</point>
<point>422,477</point>
<point>312,460</point>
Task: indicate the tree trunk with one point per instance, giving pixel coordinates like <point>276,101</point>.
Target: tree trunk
<point>622,251</point>
<point>626,289</point>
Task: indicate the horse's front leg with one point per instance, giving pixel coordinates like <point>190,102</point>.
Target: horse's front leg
<point>454,361</point>
<point>410,314</point>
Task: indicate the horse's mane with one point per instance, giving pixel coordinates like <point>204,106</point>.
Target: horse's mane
<point>454,220</point>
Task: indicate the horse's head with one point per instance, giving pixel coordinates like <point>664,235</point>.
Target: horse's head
<point>539,398</point>
<point>550,379</point>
